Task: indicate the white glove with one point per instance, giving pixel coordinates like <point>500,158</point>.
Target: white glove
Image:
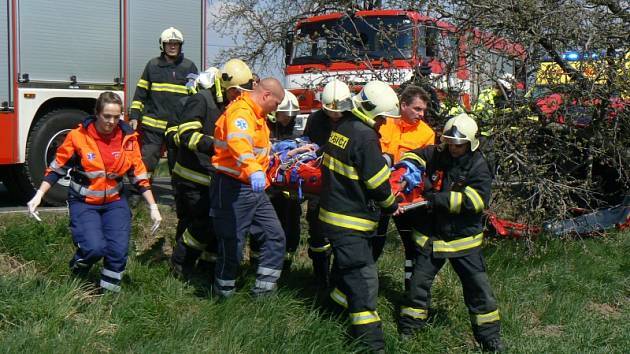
<point>155,216</point>
<point>34,203</point>
<point>133,123</point>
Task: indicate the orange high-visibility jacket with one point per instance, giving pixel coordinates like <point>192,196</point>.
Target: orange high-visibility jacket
<point>241,140</point>
<point>398,137</point>
<point>89,181</point>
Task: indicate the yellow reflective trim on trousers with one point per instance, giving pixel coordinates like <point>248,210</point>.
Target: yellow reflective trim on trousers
<point>458,245</point>
<point>184,127</point>
<point>455,202</point>
<point>379,178</point>
<point>191,175</point>
<point>166,87</point>
<point>339,297</point>
<point>137,105</point>
<point>387,202</point>
<point>419,238</point>
<point>412,156</point>
<point>171,129</point>
<point>419,314</point>
<point>487,317</point>
<point>339,167</point>
<point>320,249</point>
<point>346,221</point>
<point>143,84</point>
<point>155,123</point>
<point>194,140</point>
<point>475,198</point>
<point>363,318</point>
<point>189,240</point>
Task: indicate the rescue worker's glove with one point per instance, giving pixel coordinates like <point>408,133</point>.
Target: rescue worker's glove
<point>257,180</point>
<point>412,177</point>
<point>34,203</point>
<point>155,217</point>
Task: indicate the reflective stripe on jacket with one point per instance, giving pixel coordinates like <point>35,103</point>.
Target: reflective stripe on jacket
<point>398,137</point>
<point>241,140</point>
<point>90,182</point>
<point>355,178</point>
<point>195,135</point>
<point>159,90</point>
<point>454,225</point>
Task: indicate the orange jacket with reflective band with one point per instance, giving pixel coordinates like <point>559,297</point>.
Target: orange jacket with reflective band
<point>89,181</point>
<point>241,140</point>
<point>398,137</point>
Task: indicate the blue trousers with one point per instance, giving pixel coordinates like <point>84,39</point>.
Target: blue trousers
<point>239,211</point>
<point>101,231</point>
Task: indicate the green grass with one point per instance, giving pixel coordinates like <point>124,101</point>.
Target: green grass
<point>555,296</point>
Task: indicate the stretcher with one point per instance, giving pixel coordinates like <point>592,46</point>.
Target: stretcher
<point>301,174</point>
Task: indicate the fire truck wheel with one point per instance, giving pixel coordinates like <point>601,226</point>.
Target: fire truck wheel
<point>43,141</point>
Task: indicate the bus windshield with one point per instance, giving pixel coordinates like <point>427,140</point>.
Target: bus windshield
<point>354,39</point>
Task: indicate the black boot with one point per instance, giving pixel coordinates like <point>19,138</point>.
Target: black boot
<point>79,270</point>
<point>493,345</point>
<point>321,269</point>
<point>183,261</point>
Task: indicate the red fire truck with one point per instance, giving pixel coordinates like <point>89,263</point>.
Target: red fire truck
<point>388,45</point>
<point>59,56</point>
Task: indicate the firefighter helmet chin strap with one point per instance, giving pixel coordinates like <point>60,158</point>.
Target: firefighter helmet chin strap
<point>218,88</point>
<point>364,118</point>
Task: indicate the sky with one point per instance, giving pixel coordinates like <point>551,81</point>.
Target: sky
<point>216,42</point>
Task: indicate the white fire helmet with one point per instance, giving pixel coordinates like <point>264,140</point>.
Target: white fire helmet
<point>336,97</point>
<point>460,130</point>
<point>289,104</point>
<point>207,78</point>
<point>171,34</point>
<point>376,99</point>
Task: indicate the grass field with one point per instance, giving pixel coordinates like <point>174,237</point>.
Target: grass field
<point>555,296</point>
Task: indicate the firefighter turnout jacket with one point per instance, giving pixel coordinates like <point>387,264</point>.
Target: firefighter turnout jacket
<point>459,190</point>
<point>195,138</point>
<point>90,181</point>
<point>318,127</point>
<point>398,137</point>
<point>355,178</point>
<point>241,140</point>
<point>159,90</point>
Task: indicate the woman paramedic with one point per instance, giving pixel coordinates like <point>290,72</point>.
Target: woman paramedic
<point>98,154</point>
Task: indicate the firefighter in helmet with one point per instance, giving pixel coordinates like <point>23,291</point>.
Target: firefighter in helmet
<point>164,81</point>
<point>355,190</point>
<point>336,99</point>
<point>457,189</point>
<point>281,125</point>
<point>193,173</point>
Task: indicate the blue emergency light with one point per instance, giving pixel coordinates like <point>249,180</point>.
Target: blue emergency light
<point>571,56</point>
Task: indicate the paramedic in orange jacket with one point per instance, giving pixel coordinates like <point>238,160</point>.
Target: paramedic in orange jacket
<point>397,137</point>
<point>98,153</point>
<point>238,201</point>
